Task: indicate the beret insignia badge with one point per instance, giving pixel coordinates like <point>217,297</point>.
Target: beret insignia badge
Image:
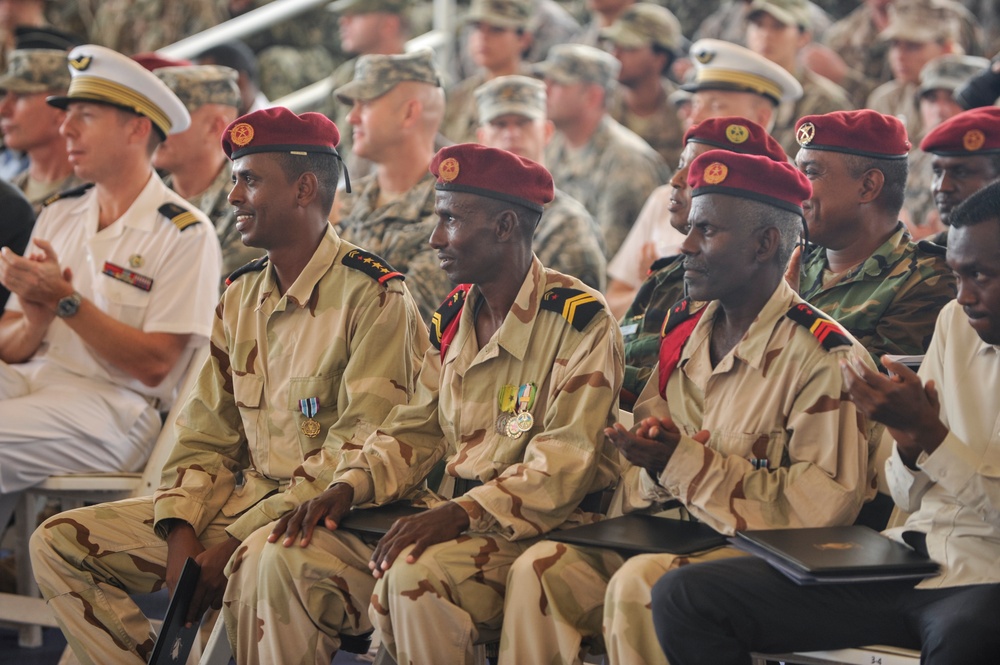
<point>448,169</point>
<point>737,134</point>
<point>715,173</point>
<point>241,134</point>
<point>973,140</point>
<point>806,133</point>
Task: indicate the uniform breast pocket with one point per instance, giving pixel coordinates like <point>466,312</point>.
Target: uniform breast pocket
<point>247,390</point>
<point>313,399</point>
<point>766,450</point>
<point>121,301</point>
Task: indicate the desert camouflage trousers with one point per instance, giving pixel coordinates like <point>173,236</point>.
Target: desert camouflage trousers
<point>565,599</point>
<point>87,562</point>
<point>289,605</point>
<point>430,612</point>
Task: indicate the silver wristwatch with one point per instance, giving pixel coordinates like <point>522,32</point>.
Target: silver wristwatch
<point>69,305</point>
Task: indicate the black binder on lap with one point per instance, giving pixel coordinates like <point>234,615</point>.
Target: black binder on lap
<point>643,534</point>
<point>377,521</point>
<point>174,642</point>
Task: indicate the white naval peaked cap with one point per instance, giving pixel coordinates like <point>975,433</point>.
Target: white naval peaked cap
<point>721,65</point>
<point>99,74</point>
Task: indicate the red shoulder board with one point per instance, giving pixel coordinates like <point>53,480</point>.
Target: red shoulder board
<point>444,322</point>
<point>826,330</point>
<point>372,265</point>
<point>677,328</point>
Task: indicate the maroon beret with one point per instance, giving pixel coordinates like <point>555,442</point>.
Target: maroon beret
<point>277,129</point>
<point>972,132</point>
<point>736,135</point>
<point>154,61</point>
<point>477,169</point>
<point>753,177</point>
<point>867,133</point>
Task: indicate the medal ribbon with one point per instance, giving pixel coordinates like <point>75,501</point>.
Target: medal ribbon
<point>309,406</point>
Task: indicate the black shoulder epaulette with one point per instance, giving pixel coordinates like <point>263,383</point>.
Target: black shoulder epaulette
<point>928,247</point>
<point>676,315</point>
<point>822,327</point>
<point>180,217</point>
<point>662,262</point>
<point>254,266</point>
<point>67,194</point>
<point>446,313</point>
<point>371,265</point>
<point>576,306</point>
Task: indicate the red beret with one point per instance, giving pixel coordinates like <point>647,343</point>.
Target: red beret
<point>279,130</point>
<point>477,169</point>
<point>154,61</point>
<point>753,177</point>
<point>972,132</point>
<point>867,133</point>
<point>737,135</point>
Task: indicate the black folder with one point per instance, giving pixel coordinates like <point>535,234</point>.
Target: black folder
<point>377,521</point>
<point>174,642</point>
<point>835,555</point>
<point>643,534</point>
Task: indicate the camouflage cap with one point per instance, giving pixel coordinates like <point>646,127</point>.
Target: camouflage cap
<point>352,7</point>
<point>520,95</point>
<point>645,24</point>
<point>35,70</point>
<point>920,21</point>
<point>949,72</point>
<point>578,63</point>
<point>787,12</point>
<point>197,85</point>
<point>375,75</point>
<point>515,14</point>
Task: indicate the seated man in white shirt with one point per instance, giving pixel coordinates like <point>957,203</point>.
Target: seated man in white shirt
<point>116,290</point>
<point>942,470</point>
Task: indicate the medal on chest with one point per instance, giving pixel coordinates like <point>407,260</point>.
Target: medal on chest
<point>309,408</point>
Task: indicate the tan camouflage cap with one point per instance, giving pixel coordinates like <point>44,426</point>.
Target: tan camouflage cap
<point>578,63</point>
<point>376,75</point>
<point>920,21</point>
<point>514,14</point>
<point>197,85</point>
<point>520,95</point>
<point>352,7</point>
<point>35,70</point>
<point>949,72</point>
<point>788,12</point>
<point>645,24</point>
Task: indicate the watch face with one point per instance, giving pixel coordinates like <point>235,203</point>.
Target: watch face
<point>67,306</point>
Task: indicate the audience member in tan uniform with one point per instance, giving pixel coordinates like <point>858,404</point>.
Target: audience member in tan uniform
<point>397,106</point>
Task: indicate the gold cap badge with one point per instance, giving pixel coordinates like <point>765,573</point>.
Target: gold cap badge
<point>241,134</point>
<point>973,140</point>
<point>81,62</point>
<point>715,173</point>
<point>448,169</point>
<point>737,134</point>
<point>806,133</point>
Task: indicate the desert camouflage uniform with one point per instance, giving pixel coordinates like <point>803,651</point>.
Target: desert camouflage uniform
<point>427,612</point>
<point>42,193</point>
<point>643,322</point>
<point>241,459</point>
<point>819,95</point>
<point>891,301</point>
<point>662,129</point>
<point>567,239</point>
<point>611,176</point>
<point>785,451</point>
<point>898,99</point>
<point>134,26</point>
<point>399,232</point>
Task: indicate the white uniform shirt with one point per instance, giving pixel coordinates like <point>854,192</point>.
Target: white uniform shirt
<point>184,267</point>
<point>955,496</point>
<point>650,226</point>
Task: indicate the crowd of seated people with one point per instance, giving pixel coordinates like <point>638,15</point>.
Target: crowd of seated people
<point>728,222</point>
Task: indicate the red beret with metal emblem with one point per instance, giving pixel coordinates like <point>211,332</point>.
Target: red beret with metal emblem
<point>753,177</point>
<point>477,169</point>
<point>865,132</point>
<point>972,132</point>
<point>737,135</point>
<point>277,129</point>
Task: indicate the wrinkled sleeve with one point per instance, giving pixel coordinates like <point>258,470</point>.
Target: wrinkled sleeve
<point>560,463</point>
<point>379,376</point>
<point>907,326</point>
<point>823,483</point>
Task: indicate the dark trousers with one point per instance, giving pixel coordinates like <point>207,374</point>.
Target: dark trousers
<point>717,613</point>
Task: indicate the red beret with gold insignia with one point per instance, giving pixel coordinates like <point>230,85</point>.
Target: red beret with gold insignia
<point>277,129</point>
<point>737,135</point>
<point>497,174</point>
<point>865,132</point>
<point>753,177</point>
<point>972,132</point>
